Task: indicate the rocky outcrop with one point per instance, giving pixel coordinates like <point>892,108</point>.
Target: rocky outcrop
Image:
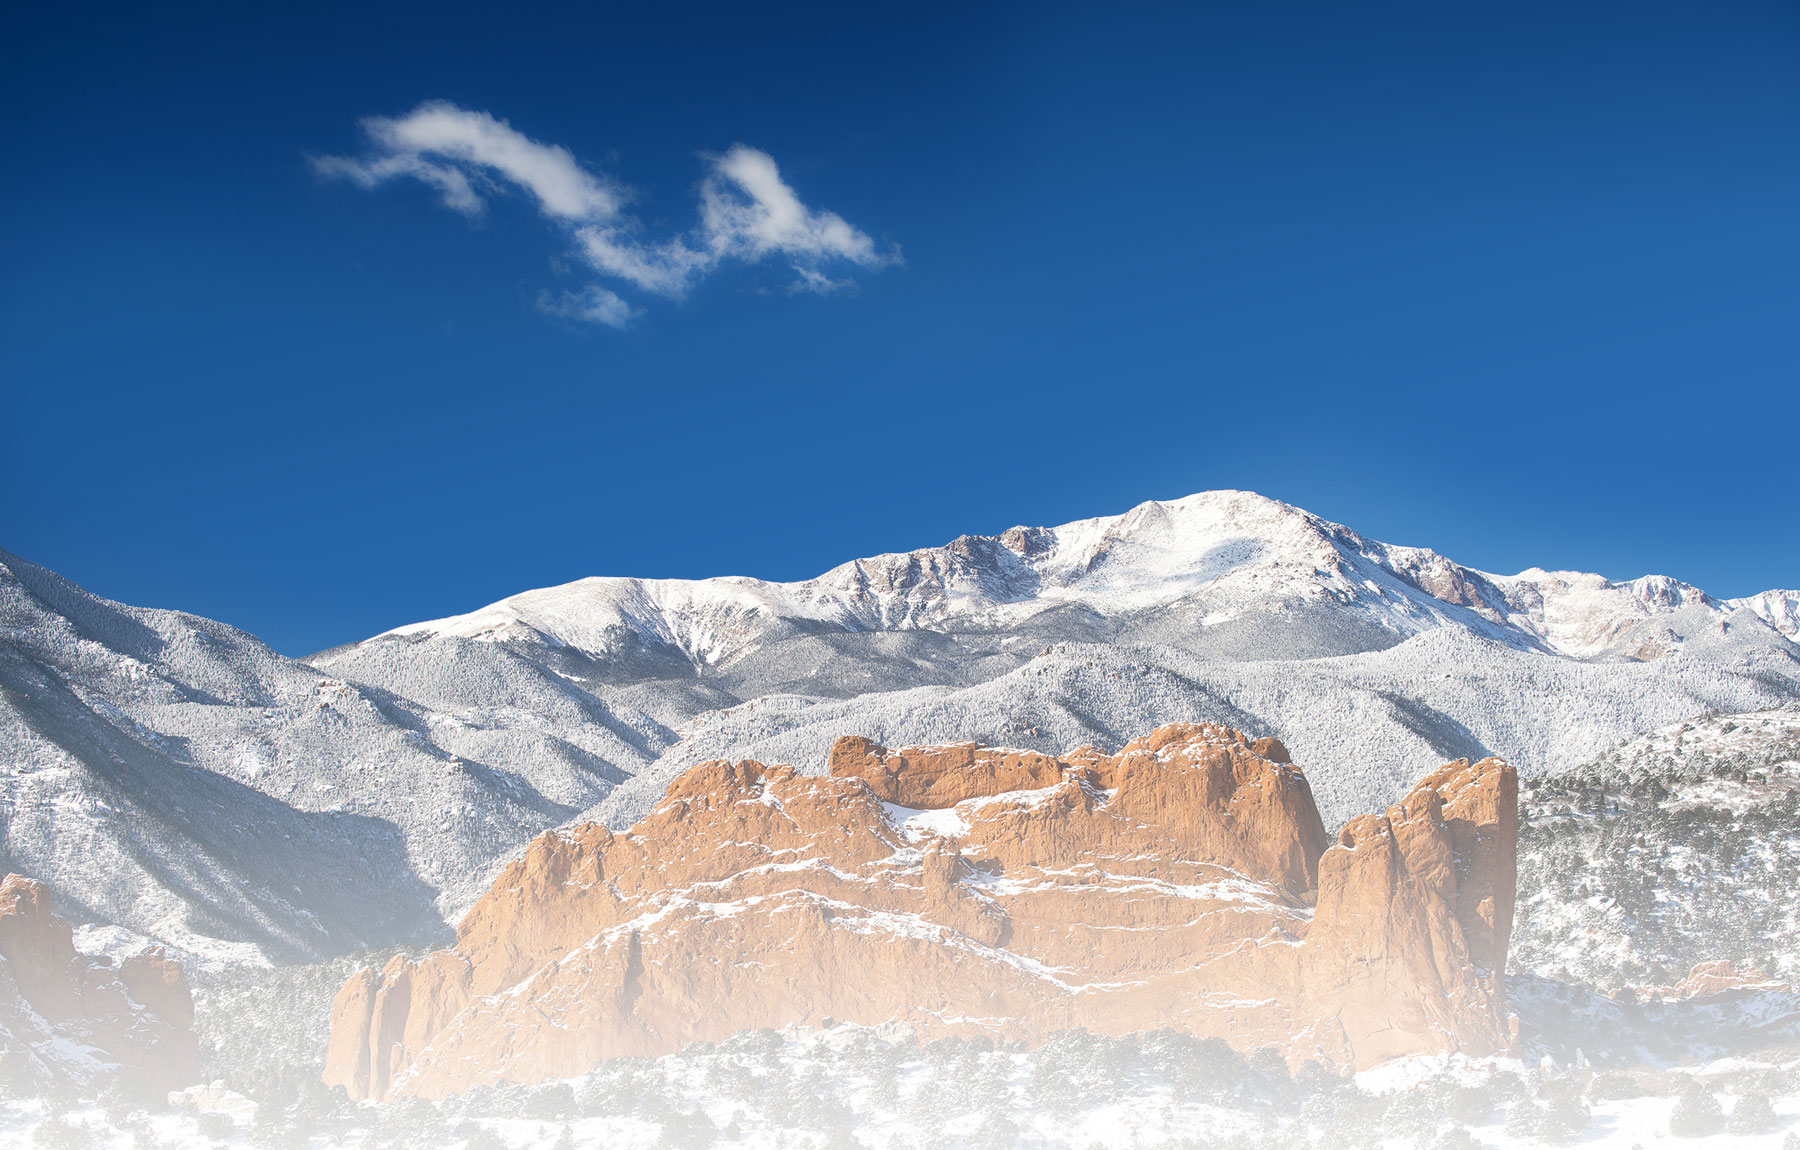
<point>1720,978</point>
<point>1186,881</point>
<point>1414,911</point>
<point>68,1017</point>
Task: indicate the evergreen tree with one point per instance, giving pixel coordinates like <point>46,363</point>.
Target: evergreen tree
<point>1697,1114</point>
<point>1565,1116</point>
<point>215,1127</point>
<point>552,1103</point>
<point>1752,1115</point>
<point>688,1130</point>
<point>1468,1104</point>
<point>485,1139</point>
<point>997,1131</point>
<point>1525,1118</point>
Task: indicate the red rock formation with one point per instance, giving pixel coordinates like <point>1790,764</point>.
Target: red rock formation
<point>1186,881</point>
<point>1708,980</point>
<point>64,1015</point>
<point>1414,912</point>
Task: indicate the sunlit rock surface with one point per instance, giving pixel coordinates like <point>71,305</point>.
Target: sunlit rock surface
<point>1187,881</point>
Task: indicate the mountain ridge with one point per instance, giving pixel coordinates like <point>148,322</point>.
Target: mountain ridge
<point>173,776</point>
<point>978,582</point>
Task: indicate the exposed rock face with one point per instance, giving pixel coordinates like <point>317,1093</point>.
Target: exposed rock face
<point>1186,881</point>
<point>1413,916</point>
<point>67,1017</point>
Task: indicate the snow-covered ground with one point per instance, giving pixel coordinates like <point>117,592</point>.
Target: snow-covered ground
<point>855,1087</point>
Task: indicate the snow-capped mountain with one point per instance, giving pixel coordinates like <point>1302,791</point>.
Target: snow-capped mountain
<point>1779,609</point>
<point>1213,559</point>
<point>176,777</point>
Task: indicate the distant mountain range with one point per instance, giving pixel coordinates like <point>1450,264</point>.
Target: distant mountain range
<point>173,777</point>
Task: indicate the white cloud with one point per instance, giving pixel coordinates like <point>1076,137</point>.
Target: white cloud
<point>445,146</point>
<point>592,304</point>
<point>666,269</point>
<point>747,212</point>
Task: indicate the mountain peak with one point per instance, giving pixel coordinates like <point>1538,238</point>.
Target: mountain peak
<point>1211,557</point>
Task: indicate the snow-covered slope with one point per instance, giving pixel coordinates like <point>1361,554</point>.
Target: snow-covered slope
<point>1678,847</point>
<point>1372,661</point>
<point>1363,724</point>
<point>176,777</point>
<point>1779,609</point>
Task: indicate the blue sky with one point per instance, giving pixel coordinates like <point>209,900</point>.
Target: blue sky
<point>1515,281</point>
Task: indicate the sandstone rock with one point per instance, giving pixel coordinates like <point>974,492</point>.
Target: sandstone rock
<point>1186,881</point>
<point>214,1098</point>
<point>67,1017</point>
<point>941,776</point>
<point>156,980</point>
<point>1414,908</point>
<point>381,1022</point>
<point>1707,980</point>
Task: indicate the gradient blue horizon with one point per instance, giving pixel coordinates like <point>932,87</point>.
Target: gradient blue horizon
<point>1518,283</point>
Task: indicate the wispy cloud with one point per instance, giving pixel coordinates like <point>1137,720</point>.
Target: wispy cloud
<point>592,304</point>
<point>747,212</point>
